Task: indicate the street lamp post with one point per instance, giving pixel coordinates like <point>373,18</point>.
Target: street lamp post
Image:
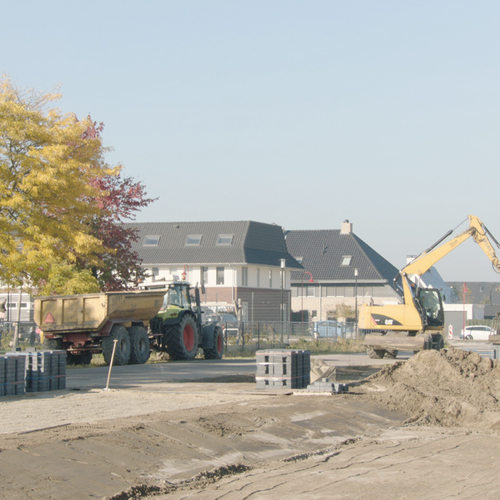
<point>356,301</point>
<point>302,294</point>
<point>283,264</point>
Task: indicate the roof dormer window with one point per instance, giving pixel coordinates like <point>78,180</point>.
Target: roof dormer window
<point>193,239</point>
<point>151,241</point>
<point>346,260</point>
<point>225,239</point>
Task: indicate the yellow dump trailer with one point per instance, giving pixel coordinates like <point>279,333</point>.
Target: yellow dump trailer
<point>90,323</point>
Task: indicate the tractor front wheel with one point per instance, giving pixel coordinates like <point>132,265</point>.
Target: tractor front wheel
<point>181,340</point>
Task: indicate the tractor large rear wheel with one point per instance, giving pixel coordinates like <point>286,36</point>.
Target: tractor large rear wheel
<point>139,345</point>
<point>218,345</point>
<point>181,340</point>
<point>122,351</point>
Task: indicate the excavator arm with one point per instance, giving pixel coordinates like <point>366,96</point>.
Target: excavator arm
<point>477,230</point>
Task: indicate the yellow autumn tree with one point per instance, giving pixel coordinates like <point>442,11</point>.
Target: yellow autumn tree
<point>46,198</point>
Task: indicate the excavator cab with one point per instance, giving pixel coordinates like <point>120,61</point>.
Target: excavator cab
<point>431,307</point>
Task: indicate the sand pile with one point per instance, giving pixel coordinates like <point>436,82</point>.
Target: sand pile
<point>449,388</point>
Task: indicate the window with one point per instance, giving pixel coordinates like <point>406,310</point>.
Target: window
<point>306,291</point>
<point>225,239</point>
<point>346,260</point>
<point>151,241</point>
<point>155,271</point>
<point>220,276</point>
<point>204,275</point>
<point>244,276</point>
<point>258,277</point>
<point>193,239</point>
<point>270,278</point>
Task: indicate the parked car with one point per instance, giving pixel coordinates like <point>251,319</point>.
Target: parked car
<point>477,332</point>
<point>327,329</point>
<point>228,322</point>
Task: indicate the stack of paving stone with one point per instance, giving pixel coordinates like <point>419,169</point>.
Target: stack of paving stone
<point>326,385</point>
<point>37,371</point>
<point>12,375</point>
<point>46,371</point>
<point>283,369</point>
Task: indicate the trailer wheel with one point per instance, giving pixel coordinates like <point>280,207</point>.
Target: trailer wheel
<point>122,352</point>
<point>139,345</point>
<point>181,340</point>
<point>375,353</point>
<point>218,345</point>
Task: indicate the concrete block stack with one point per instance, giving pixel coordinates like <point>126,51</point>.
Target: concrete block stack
<point>14,373</point>
<point>37,371</point>
<point>283,369</point>
<point>48,371</point>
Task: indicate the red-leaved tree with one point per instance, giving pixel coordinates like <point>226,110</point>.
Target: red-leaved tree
<point>120,200</point>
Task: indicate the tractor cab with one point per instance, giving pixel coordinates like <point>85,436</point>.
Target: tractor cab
<point>176,299</point>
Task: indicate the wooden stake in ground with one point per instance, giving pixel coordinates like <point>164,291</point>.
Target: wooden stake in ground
<point>111,364</point>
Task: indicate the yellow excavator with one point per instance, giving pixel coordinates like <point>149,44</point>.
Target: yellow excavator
<point>418,322</point>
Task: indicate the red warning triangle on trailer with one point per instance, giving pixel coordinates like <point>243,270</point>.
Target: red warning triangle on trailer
<point>49,318</point>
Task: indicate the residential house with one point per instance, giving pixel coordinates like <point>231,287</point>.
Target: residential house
<point>339,269</point>
<point>242,263</point>
<point>14,305</point>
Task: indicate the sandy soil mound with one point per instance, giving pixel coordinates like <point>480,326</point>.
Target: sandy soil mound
<point>448,388</point>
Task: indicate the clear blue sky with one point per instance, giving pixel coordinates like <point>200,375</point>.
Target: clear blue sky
<point>299,113</point>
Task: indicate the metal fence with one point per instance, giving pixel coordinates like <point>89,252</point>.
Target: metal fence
<point>263,335</point>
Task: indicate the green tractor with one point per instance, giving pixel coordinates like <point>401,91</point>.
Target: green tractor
<point>178,328</point>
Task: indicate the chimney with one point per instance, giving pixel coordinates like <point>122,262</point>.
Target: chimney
<point>346,227</point>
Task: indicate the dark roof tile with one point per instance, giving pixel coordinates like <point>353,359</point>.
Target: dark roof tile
<point>253,243</point>
<point>322,252</point>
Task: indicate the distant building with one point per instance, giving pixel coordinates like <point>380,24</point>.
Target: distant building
<point>331,258</point>
<point>10,299</point>
<point>483,293</point>
<point>242,262</point>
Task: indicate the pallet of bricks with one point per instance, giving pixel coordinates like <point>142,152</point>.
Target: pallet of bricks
<point>283,369</point>
<point>37,371</point>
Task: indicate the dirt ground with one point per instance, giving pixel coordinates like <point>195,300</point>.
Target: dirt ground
<point>427,428</point>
